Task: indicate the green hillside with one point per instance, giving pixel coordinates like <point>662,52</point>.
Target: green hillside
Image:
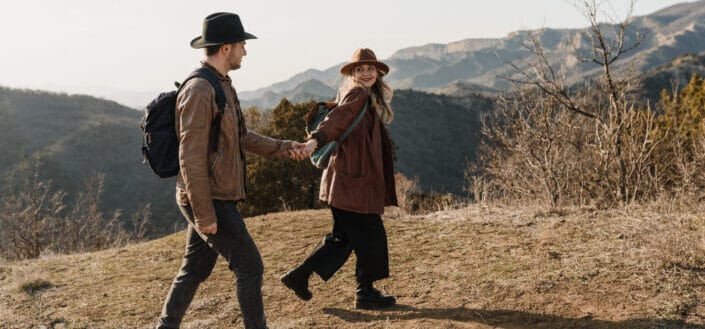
<point>73,137</point>
<point>678,72</point>
<point>436,136</point>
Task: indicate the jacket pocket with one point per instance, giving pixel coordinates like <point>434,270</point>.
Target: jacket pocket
<point>347,161</point>
<point>223,176</point>
<point>349,193</point>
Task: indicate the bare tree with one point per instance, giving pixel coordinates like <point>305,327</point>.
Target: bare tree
<point>531,149</point>
<point>615,138</point>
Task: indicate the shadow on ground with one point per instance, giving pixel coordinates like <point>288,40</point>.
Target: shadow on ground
<point>505,319</point>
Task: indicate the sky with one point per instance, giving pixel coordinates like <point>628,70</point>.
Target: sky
<point>128,50</point>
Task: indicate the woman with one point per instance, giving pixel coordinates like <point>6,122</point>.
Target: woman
<point>357,184</point>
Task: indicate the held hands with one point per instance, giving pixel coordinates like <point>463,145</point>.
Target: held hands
<point>310,146</point>
<point>300,151</point>
<point>297,151</point>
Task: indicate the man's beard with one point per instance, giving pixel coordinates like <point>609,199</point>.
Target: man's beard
<point>233,63</point>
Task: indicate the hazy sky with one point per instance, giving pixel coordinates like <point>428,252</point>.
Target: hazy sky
<point>101,46</point>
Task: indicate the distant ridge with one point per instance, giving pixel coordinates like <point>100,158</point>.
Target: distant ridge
<point>676,73</point>
<point>670,32</point>
<point>303,92</point>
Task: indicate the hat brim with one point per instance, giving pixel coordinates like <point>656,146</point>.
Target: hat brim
<point>347,68</point>
<point>199,42</point>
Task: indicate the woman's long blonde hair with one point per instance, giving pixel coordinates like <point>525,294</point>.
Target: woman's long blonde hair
<point>381,95</point>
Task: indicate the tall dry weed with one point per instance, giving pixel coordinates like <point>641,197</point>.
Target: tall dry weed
<point>412,200</point>
<point>36,220</point>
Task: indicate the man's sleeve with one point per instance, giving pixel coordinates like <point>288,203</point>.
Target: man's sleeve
<point>266,146</point>
<point>194,113</point>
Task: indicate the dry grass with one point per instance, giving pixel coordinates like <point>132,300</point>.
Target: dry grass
<point>476,267</point>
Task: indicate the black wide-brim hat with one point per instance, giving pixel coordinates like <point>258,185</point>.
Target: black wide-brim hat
<point>221,29</point>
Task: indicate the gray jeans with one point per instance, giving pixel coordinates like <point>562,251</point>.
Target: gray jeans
<point>233,242</point>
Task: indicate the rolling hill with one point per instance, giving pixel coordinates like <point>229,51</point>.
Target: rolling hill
<point>676,73</point>
<point>68,138</point>
<point>72,137</point>
<point>479,267</point>
<point>437,136</point>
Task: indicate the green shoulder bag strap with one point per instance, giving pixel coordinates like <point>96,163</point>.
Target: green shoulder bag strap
<point>354,124</point>
<point>321,156</point>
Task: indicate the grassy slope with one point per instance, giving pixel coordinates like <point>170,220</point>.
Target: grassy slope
<point>477,267</point>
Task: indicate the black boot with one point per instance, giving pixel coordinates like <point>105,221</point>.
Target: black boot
<point>369,298</point>
<point>297,280</point>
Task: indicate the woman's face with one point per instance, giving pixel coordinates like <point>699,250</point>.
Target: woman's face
<point>365,75</point>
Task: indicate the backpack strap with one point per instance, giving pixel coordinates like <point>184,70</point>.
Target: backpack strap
<point>212,78</point>
<point>354,123</point>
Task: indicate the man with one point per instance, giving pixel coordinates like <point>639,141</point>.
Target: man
<point>210,183</point>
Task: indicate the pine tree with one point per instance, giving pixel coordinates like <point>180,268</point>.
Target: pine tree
<point>684,113</point>
<point>275,185</point>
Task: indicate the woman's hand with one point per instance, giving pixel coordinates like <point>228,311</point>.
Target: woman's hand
<point>310,146</point>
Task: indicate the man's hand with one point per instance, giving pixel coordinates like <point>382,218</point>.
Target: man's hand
<point>210,229</point>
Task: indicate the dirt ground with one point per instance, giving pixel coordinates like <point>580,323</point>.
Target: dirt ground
<point>475,267</point>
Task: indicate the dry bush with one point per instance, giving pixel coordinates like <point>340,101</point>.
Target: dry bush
<point>571,145</point>
<point>406,188</point>
<point>413,200</point>
<point>523,154</point>
<point>535,149</point>
<point>36,219</point>
<point>31,287</point>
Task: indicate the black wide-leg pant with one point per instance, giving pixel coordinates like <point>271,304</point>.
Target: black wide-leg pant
<point>362,233</point>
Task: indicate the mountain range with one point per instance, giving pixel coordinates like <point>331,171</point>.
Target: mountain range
<point>68,138</point>
<point>676,73</point>
<point>480,64</point>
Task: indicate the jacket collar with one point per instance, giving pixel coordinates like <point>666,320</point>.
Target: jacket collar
<point>223,78</point>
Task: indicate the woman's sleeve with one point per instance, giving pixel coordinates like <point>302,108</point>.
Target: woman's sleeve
<point>341,117</point>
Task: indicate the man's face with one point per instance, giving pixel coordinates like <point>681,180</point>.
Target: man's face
<point>235,54</point>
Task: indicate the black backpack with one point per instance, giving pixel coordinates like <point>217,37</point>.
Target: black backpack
<point>160,145</point>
